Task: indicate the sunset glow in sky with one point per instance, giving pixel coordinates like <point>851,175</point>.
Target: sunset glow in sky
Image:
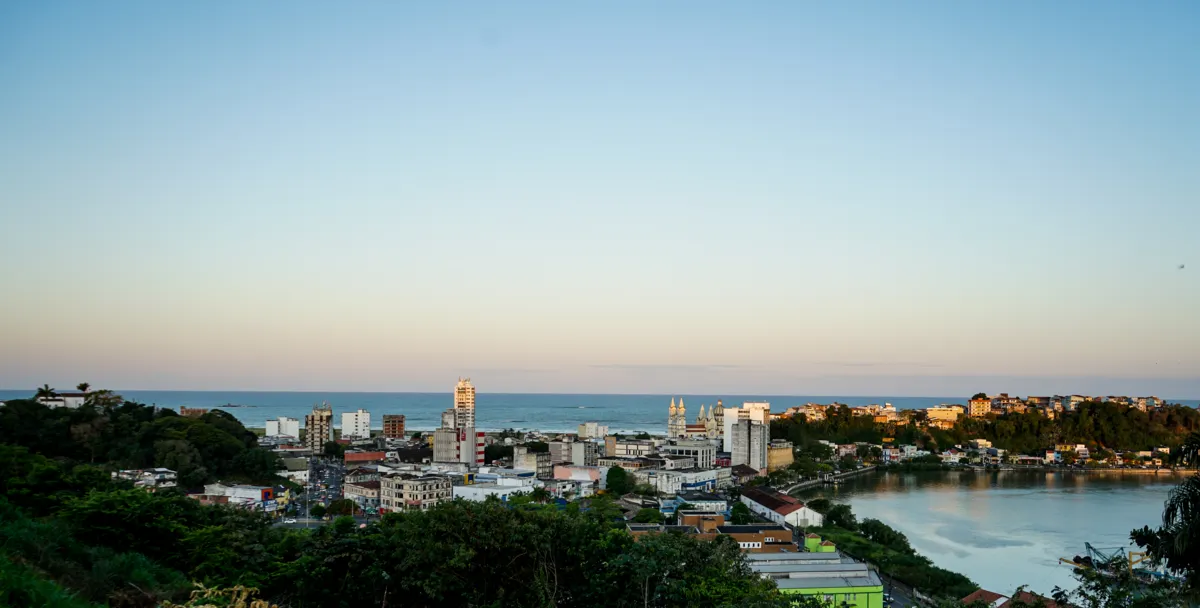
<point>767,198</point>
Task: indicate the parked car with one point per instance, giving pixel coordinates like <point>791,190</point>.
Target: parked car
<point>289,520</point>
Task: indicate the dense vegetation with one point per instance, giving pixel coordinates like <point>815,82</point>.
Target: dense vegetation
<point>72,537</point>
<point>128,435</point>
<point>1099,425</point>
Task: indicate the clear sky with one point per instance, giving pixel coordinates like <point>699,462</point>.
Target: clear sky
<point>922,198</point>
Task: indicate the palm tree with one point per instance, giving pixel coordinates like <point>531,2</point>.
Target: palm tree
<point>1176,544</point>
<point>45,392</point>
<point>83,387</point>
<point>539,495</point>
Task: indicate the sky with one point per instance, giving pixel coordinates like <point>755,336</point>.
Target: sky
<point>919,198</point>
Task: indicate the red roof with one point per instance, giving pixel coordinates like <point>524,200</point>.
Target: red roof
<point>365,456</point>
<point>982,595</point>
<point>1031,598</point>
<point>772,500</point>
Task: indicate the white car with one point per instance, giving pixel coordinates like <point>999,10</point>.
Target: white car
<point>289,521</point>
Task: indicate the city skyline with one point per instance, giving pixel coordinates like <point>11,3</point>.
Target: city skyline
<point>925,199</point>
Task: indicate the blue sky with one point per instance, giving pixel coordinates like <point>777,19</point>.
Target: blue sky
<point>868,198</point>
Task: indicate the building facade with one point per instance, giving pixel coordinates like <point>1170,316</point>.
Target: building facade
<point>356,424</point>
<point>318,427</point>
<point>704,452</point>
<point>780,455</point>
<point>464,404</point>
<point>592,430</point>
<point>413,492</point>
<point>393,426</point>
<point>757,411</point>
<point>283,427</point>
<point>628,448</point>
<point>538,462</point>
<point>748,441</point>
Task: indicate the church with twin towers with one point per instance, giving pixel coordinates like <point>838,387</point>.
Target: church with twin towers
<point>708,425</point>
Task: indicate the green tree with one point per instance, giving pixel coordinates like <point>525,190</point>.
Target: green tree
<point>618,481</point>
<point>648,516</point>
<point>83,387</point>
<point>317,510</point>
<point>739,514</point>
<point>840,516</point>
<point>979,396</point>
<point>45,392</point>
<point>333,449</point>
<point>341,506</point>
<point>820,505</point>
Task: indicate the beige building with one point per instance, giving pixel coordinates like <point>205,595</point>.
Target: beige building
<point>780,455</point>
<point>978,408</point>
<point>628,448</point>
<point>538,462</point>
<point>945,413</point>
<point>412,492</point>
<point>318,427</point>
<point>365,494</point>
<point>464,404</point>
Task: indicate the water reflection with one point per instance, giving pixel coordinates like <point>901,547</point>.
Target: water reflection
<point>1008,528</point>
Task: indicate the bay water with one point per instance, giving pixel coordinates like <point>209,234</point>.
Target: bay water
<point>1003,529</point>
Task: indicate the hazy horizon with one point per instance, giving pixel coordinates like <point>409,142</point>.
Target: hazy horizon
<point>775,197</point>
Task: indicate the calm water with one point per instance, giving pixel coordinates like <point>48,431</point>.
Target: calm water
<point>493,411</point>
<point>1005,529</point>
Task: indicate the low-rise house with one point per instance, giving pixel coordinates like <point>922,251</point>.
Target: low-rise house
<point>148,479</point>
<point>742,474</point>
<point>502,488</point>
<point>69,400</point>
<point>753,538</point>
<point>361,474</point>
<point>780,508</point>
<point>365,494</point>
<point>701,501</point>
<point>407,492</point>
<point>295,469</point>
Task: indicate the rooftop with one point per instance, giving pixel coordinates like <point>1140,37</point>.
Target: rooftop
<point>826,582</point>
<point>773,500</point>
<point>750,528</point>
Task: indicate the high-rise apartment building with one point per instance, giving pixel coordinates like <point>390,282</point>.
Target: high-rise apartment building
<point>592,430</point>
<point>393,426</point>
<point>749,439</point>
<point>464,404</point>
<point>757,411</point>
<point>356,425</point>
<point>283,427</point>
<point>318,427</point>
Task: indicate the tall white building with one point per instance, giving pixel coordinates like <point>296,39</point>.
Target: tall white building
<point>755,411</point>
<point>749,440</point>
<point>283,427</point>
<point>356,425</point>
<point>464,404</point>
<point>589,430</point>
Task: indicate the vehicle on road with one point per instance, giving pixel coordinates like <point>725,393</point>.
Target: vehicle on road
<point>289,520</point>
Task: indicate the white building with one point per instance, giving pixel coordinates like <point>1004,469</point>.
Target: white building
<point>755,411</point>
<point>704,452</point>
<point>295,469</point>
<point>71,400</point>
<point>283,427</point>
<point>150,479</point>
<point>748,441</point>
<point>673,482</point>
<point>356,425</point>
<point>592,430</point>
<point>502,488</point>
<point>780,508</point>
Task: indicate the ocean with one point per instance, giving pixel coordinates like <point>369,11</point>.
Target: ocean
<point>493,411</point>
